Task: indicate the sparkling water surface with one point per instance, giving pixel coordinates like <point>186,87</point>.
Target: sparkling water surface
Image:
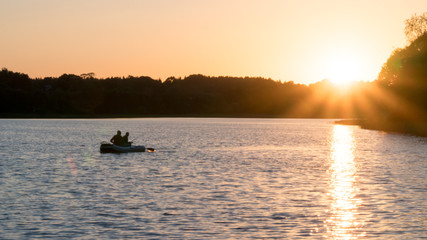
<point>210,179</point>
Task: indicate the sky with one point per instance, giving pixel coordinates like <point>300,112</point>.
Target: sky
<point>304,41</point>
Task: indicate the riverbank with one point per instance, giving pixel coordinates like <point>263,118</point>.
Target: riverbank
<point>418,128</point>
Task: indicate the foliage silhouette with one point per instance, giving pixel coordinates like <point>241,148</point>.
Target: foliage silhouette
<point>196,95</point>
<point>415,26</point>
<point>403,79</point>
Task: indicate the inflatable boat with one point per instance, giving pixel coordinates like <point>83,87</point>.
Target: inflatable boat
<point>107,147</point>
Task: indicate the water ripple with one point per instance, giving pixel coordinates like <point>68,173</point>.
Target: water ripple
<point>210,178</point>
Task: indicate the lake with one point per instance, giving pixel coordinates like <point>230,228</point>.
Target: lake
<point>210,178</point>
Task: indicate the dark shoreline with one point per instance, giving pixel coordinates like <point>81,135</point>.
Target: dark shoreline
<point>415,128</point>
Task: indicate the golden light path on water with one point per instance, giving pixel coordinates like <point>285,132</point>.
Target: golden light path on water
<point>343,221</point>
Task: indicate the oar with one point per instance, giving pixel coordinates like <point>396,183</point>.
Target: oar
<point>150,149</point>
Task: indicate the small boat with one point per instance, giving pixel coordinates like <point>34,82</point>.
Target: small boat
<point>107,147</point>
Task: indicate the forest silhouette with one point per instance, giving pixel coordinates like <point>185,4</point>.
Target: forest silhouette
<point>396,101</point>
<point>195,95</point>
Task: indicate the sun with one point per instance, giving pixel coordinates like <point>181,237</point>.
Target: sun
<point>343,66</point>
<point>343,70</point>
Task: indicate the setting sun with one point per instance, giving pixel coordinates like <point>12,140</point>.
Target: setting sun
<point>343,68</point>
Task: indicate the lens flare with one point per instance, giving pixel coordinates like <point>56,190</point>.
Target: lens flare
<point>72,165</point>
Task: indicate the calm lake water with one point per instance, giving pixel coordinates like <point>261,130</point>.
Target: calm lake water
<point>211,179</point>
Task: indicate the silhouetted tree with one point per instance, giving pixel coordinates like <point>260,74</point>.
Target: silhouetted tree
<point>416,26</point>
<point>87,75</point>
<point>403,89</point>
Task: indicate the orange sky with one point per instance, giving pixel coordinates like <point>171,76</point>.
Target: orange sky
<point>289,40</point>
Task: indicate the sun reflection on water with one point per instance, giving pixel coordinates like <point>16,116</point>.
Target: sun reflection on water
<point>343,221</point>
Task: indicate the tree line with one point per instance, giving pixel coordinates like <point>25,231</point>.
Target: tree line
<point>193,95</point>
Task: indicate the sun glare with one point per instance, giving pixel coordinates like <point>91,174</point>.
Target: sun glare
<point>343,69</point>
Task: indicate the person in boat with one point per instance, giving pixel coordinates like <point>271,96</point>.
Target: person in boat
<point>126,140</point>
<point>117,139</point>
